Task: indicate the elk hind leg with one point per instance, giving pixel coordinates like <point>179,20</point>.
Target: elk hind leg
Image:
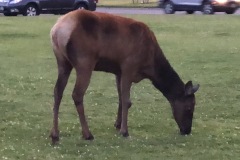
<point>64,70</point>
<point>82,82</point>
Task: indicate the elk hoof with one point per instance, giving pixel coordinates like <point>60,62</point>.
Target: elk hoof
<point>117,125</point>
<point>55,140</point>
<point>88,137</point>
<point>55,136</point>
<point>124,134</point>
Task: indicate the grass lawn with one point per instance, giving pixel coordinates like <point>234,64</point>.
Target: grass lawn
<point>204,49</point>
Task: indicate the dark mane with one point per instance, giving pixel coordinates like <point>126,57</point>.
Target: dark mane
<point>167,81</point>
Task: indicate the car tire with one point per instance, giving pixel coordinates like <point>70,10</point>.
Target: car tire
<point>190,12</point>
<point>31,10</point>
<point>230,11</point>
<point>168,7</point>
<point>81,6</point>
<point>207,8</point>
<point>10,14</point>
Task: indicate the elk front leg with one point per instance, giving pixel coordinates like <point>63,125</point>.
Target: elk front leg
<point>119,113</point>
<point>125,99</point>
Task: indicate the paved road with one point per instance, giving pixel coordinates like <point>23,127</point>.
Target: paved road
<point>131,10</point>
<point>143,11</point>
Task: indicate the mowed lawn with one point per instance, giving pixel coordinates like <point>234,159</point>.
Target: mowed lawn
<point>204,49</point>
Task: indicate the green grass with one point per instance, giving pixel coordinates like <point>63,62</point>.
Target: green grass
<point>204,49</point>
<point>126,3</point>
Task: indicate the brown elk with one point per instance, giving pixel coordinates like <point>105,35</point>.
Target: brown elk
<point>92,41</point>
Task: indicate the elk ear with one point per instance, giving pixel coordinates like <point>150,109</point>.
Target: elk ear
<point>190,89</point>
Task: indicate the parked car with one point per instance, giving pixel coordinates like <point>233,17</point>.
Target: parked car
<point>206,6</point>
<point>35,7</point>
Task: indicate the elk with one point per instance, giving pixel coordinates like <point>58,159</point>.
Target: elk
<point>91,41</point>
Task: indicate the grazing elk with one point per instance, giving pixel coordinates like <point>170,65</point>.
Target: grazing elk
<point>91,41</point>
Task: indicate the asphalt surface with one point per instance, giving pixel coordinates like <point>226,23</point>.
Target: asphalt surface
<point>130,10</point>
<point>155,11</point>
<point>144,11</point>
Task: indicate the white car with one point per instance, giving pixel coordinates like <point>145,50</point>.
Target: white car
<point>206,6</point>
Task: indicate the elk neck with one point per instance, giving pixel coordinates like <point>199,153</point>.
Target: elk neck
<point>165,77</point>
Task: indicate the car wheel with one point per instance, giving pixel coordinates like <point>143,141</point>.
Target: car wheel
<point>31,10</point>
<point>190,12</point>
<point>168,7</point>
<point>81,6</point>
<point>10,14</point>
<point>230,11</point>
<point>207,8</point>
